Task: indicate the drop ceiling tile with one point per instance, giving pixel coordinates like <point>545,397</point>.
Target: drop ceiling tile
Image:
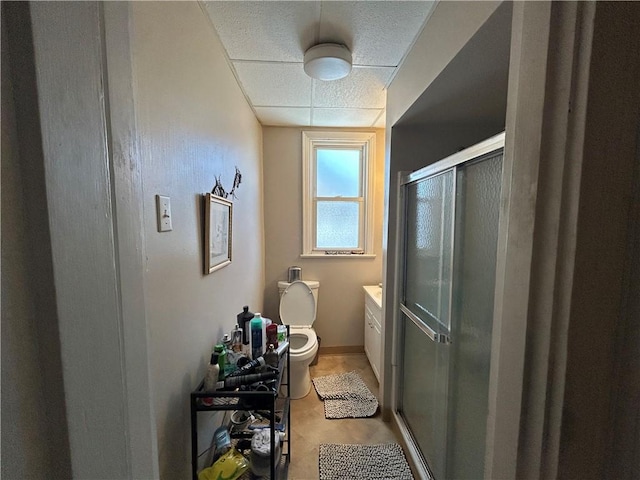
<point>270,31</point>
<point>274,84</point>
<point>363,88</point>
<point>283,116</point>
<point>344,117</point>
<point>384,31</point>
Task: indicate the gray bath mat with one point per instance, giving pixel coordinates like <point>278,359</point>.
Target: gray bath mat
<point>363,462</point>
<point>345,395</point>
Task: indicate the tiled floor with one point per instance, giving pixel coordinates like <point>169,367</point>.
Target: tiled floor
<point>309,428</point>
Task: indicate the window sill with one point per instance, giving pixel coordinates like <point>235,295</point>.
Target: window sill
<point>351,255</point>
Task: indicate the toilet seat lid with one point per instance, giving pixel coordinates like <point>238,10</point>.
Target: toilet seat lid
<point>297,305</point>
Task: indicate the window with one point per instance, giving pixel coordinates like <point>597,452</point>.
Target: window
<point>337,193</point>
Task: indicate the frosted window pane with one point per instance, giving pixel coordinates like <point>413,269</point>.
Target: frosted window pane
<point>338,173</point>
<point>337,225</point>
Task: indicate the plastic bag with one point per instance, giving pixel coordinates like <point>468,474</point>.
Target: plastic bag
<point>229,466</point>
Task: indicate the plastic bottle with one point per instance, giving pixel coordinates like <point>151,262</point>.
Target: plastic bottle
<point>221,350</point>
<point>236,339</point>
<point>282,333</point>
<point>271,357</point>
<point>265,323</point>
<point>211,379</point>
<point>222,440</point>
<point>272,335</point>
<point>226,341</point>
<point>245,317</point>
<point>257,339</point>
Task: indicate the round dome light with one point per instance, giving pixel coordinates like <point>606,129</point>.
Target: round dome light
<point>327,61</point>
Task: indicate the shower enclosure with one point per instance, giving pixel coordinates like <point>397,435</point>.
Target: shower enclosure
<point>448,233</point>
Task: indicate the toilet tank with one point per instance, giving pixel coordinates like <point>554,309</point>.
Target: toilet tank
<point>314,285</point>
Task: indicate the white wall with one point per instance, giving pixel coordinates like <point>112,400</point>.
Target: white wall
<point>72,103</point>
<point>194,124</point>
<point>34,439</point>
<point>133,100</point>
<point>340,317</point>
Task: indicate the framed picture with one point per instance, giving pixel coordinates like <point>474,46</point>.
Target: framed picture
<point>217,232</point>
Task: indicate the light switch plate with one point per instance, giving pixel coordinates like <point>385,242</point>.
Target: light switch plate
<point>163,208</point>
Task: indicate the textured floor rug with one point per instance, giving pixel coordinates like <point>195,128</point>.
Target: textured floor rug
<point>363,462</point>
<point>345,395</point>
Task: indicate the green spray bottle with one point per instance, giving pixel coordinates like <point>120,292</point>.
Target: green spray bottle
<point>257,341</point>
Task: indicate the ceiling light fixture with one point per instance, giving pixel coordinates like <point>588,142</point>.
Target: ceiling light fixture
<point>327,61</point>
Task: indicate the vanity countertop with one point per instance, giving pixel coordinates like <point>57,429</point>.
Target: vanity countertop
<point>375,292</point>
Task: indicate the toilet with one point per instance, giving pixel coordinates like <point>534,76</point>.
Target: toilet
<point>298,305</point>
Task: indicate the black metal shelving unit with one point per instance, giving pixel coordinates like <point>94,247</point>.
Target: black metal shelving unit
<point>273,403</point>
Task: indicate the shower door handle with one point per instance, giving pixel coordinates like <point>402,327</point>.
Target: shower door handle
<point>431,333</point>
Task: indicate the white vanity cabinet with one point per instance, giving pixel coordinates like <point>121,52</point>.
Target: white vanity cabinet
<point>372,327</point>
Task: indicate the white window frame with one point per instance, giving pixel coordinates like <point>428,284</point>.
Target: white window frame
<point>311,141</point>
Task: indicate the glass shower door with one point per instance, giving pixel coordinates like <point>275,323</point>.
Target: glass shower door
<point>476,240</point>
<point>425,313</point>
<point>450,233</point>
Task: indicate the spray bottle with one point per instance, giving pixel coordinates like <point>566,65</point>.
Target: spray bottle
<point>257,340</point>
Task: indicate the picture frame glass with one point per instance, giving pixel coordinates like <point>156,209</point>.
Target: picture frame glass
<point>218,232</point>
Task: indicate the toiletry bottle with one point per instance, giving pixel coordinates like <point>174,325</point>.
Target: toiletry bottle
<point>244,318</point>
<point>271,357</point>
<point>221,350</point>
<point>222,440</point>
<point>272,335</point>
<point>231,357</point>
<point>211,379</point>
<point>236,339</point>
<point>257,340</point>
<point>265,323</point>
<point>282,333</point>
